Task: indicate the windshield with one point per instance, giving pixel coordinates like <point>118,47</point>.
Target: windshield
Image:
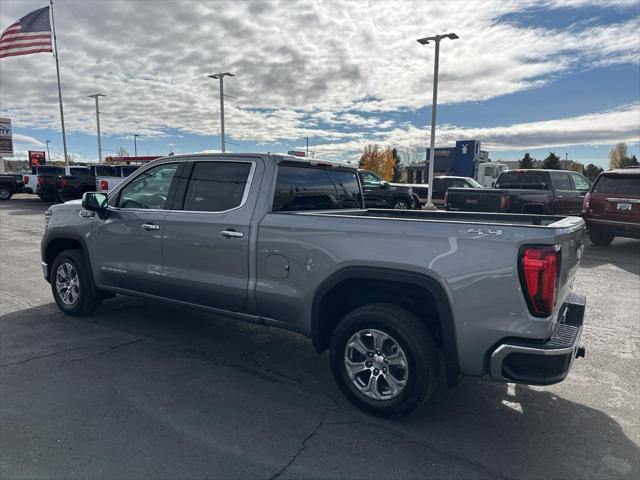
<point>473,183</point>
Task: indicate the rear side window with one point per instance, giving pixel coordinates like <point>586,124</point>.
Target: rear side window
<point>624,184</point>
<point>127,170</point>
<point>79,171</point>
<point>216,186</point>
<point>561,181</point>
<point>348,188</point>
<point>102,170</point>
<point>521,179</point>
<point>50,170</point>
<point>304,188</point>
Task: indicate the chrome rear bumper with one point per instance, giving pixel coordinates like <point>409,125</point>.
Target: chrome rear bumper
<point>520,361</point>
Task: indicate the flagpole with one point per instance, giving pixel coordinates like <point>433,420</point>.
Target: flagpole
<point>55,44</point>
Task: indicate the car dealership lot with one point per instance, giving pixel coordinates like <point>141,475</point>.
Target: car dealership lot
<point>142,390</point>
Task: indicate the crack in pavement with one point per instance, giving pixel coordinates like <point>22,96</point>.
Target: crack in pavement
<point>303,446</point>
<point>470,464</point>
<point>60,352</point>
<point>108,350</point>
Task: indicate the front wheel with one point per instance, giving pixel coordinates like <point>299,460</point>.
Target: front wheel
<point>400,204</point>
<point>384,360</point>
<point>72,285</point>
<point>5,193</point>
<point>601,238</point>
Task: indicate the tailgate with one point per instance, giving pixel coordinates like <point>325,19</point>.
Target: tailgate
<point>570,239</point>
<point>473,200</point>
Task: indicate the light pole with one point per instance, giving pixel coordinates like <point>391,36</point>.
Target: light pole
<point>135,144</point>
<point>48,153</point>
<point>220,76</point>
<point>432,155</point>
<point>96,96</point>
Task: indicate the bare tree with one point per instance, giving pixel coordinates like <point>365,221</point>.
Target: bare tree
<point>617,155</point>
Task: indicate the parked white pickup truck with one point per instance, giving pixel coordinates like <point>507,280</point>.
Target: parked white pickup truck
<point>110,176</point>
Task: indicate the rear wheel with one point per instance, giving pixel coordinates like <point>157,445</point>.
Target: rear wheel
<point>384,360</point>
<point>5,193</point>
<point>72,284</point>
<point>601,238</point>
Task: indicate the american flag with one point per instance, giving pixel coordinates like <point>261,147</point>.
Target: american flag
<point>30,34</point>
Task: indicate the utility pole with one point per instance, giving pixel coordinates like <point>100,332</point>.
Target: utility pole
<point>48,153</point>
<point>96,96</point>
<point>307,152</point>
<point>220,76</point>
<point>135,144</point>
<point>434,103</point>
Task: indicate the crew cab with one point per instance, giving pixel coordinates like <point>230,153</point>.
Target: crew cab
<point>31,179</point>
<point>379,193</point>
<point>396,296</point>
<point>612,206</point>
<point>51,186</point>
<point>544,192</point>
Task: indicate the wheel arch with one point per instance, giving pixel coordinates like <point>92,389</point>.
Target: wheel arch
<point>67,241</point>
<point>325,316</point>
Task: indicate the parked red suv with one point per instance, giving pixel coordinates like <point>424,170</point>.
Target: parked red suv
<point>612,206</point>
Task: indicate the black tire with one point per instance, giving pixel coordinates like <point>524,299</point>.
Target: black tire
<point>415,341</point>
<point>5,193</point>
<point>601,238</point>
<point>400,204</point>
<point>87,297</point>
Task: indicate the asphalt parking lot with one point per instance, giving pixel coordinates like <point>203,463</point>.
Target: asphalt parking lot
<point>143,390</point>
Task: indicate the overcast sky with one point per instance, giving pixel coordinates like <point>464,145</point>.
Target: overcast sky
<point>533,76</point>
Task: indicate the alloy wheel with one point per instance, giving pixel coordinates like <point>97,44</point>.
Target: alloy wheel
<point>376,364</point>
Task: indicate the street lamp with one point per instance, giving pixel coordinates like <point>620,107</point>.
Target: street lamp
<point>220,76</point>
<point>97,96</point>
<point>432,155</point>
<point>135,144</point>
<point>48,153</point>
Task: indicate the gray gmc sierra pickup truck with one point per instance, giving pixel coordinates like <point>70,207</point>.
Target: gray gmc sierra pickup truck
<point>397,296</point>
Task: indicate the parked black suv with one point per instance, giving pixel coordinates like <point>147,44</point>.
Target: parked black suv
<point>379,193</point>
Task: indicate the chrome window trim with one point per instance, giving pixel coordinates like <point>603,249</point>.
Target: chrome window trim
<point>245,194</point>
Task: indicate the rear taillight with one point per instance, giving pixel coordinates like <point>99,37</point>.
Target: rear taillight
<point>505,202</point>
<point>40,181</point>
<point>104,185</point>
<point>585,202</point>
<point>446,198</point>
<point>539,272</point>
<point>25,179</point>
<point>64,182</point>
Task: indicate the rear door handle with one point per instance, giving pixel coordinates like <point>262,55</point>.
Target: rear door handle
<point>150,226</point>
<point>231,234</point>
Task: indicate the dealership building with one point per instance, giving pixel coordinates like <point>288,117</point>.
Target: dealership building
<point>460,160</point>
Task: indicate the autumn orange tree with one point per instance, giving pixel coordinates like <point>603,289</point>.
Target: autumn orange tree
<point>378,161</point>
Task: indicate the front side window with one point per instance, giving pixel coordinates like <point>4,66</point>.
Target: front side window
<point>102,170</point>
<point>127,170</point>
<point>216,186</point>
<point>580,183</point>
<point>304,188</point>
<point>369,178</point>
<point>150,189</point>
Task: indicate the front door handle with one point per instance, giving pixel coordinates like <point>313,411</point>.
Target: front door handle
<point>150,226</point>
<point>231,234</point>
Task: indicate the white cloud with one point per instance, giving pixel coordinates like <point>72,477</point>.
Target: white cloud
<point>26,140</point>
<point>325,69</point>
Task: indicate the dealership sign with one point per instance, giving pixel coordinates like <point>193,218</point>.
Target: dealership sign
<point>6,140</point>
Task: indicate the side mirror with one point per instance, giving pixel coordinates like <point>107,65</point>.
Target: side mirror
<point>94,201</point>
<point>384,184</point>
